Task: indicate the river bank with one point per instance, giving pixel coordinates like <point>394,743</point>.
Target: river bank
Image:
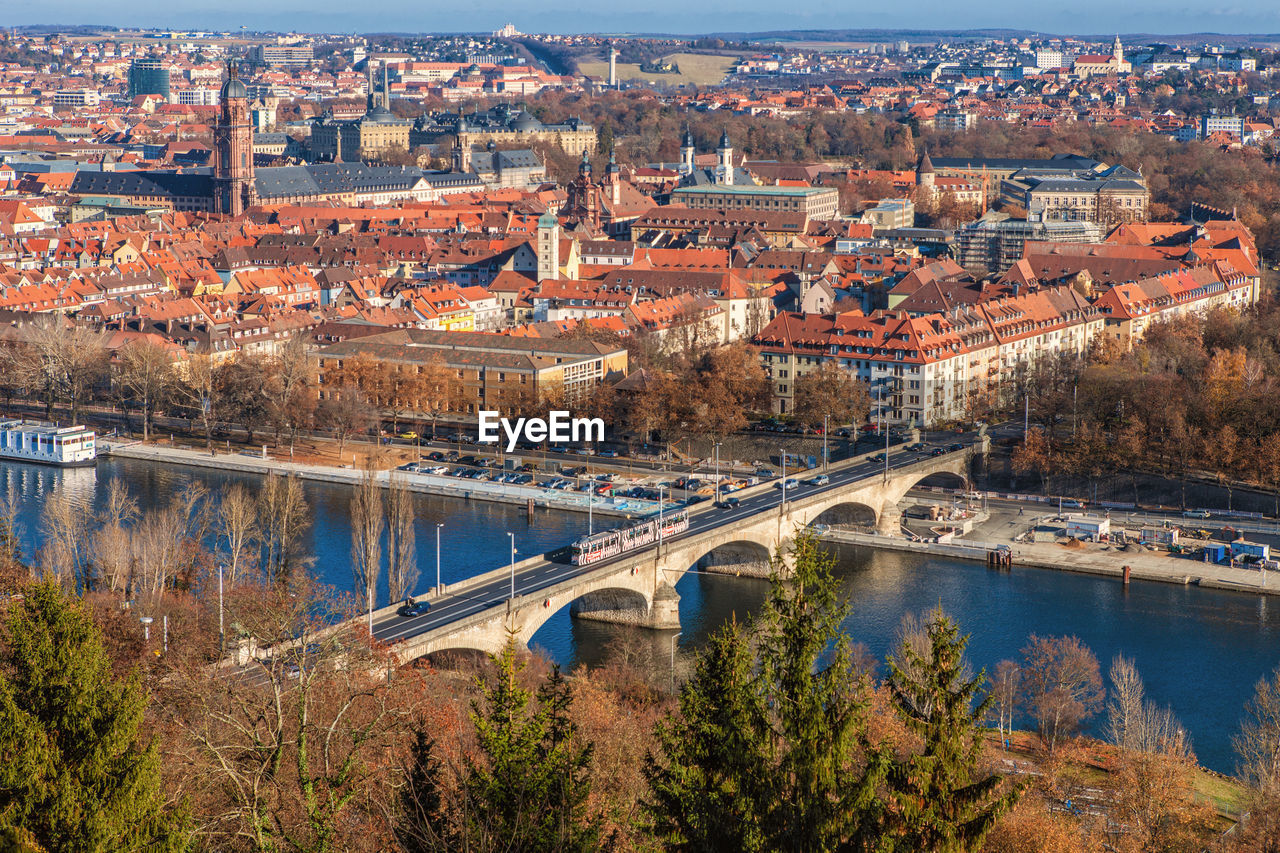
<point>1088,558</point>
<point>255,463</point>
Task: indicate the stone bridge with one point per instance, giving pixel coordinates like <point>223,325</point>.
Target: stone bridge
<point>640,588</point>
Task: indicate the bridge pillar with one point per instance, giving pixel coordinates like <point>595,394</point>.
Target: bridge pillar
<point>890,521</point>
<point>664,614</point>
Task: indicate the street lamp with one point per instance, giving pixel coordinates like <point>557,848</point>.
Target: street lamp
<point>146,627</point>
<point>591,503</point>
<point>661,491</point>
<point>677,636</point>
<point>716,448</point>
<point>782,458</point>
<point>438,586</point>
<point>824,442</point>
<point>513,566</point>
<point>222,637</point>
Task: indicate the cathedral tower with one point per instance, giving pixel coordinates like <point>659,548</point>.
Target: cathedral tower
<point>233,148</point>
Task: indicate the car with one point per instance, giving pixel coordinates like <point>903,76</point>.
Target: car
<point>435,456</point>
<point>608,454</point>
<point>937,451</point>
<point>408,466</point>
<point>842,433</point>
<point>694,499</point>
<point>410,435</point>
<point>1196,513</point>
<point>765,472</point>
<point>458,437</point>
<point>820,480</point>
<point>879,457</point>
<point>915,448</point>
<point>789,483</point>
<point>954,446</point>
<point>451,456</point>
<point>728,503</point>
<point>413,608</point>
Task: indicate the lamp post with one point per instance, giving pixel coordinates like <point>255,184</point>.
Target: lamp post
<point>438,585</point>
<point>716,448</point>
<point>782,457</point>
<point>591,503</point>
<point>513,566</point>
<point>661,492</point>
<point>146,627</point>
<point>677,636</point>
<point>824,442</point>
<point>222,637</point>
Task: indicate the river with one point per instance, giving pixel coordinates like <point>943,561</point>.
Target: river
<point>1200,651</point>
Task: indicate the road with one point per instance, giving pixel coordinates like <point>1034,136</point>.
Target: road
<point>546,573</point>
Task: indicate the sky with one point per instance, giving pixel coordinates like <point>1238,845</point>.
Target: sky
<point>673,16</point>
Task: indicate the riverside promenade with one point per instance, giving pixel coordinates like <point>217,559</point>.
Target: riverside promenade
<point>255,463</point>
<point>1090,559</point>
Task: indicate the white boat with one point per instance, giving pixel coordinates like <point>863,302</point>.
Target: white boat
<point>39,441</point>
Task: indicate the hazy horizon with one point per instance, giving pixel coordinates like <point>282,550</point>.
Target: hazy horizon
<point>658,16</point>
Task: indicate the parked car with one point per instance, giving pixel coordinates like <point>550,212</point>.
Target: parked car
<point>410,435</point>
<point>694,499</point>
<point>608,454</point>
<point>435,456</point>
<point>765,472</point>
<point>413,608</point>
<point>408,466</point>
<point>451,456</point>
<point>1196,513</point>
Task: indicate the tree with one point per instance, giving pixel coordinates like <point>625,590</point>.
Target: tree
<point>830,394</point>
<point>65,524</point>
<point>61,362</point>
<point>346,410</point>
<point>797,768</point>
<point>1063,685</point>
<point>239,393</point>
<point>437,387</point>
<point>146,376</point>
<point>402,556</point>
<point>1257,745</point>
<point>236,522</point>
<point>291,756</point>
<point>706,792</point>
<point>77,772</point>
<point>1135,724</point>
<point>366,537</point>
<point>282,519</point>
<point>1006,689</point>
<point>938,801</point>
<point>526,789</point>
<point>288,389</point>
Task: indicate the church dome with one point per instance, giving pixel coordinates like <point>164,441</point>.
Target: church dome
<point>234,88</point>
<point>380,114</point>
<point>525,122</point>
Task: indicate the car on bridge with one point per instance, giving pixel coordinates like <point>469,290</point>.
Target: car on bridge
<point>820,480</point>
<point>937,451</point>
<point>954,446</point>
<point>413,608</point>
<point>789,483</point>
<point>728,503</point>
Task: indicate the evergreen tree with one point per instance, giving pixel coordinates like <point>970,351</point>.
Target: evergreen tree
<point>74,776</point>
<point>708,794</point>
<point>765,752</point>
<point>820,798</point>
<point>526,791</point>
<point>938,803</point>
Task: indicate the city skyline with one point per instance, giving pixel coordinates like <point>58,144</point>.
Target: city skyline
<point>662,16</point>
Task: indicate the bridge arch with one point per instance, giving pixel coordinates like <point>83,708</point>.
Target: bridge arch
<point>945,479</point>
<point>737,556</point>
<point>848,514</point>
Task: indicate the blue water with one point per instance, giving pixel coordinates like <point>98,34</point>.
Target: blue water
<point>1199,650</point>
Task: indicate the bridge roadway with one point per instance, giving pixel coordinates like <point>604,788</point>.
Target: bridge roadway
<point>478,613</point>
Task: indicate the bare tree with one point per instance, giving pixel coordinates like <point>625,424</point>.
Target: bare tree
<point>110,547</point>
<point>283,517</point>
<point>366,537</point>
<point>346,410</point>
<point>402,557</point>
<point>237,526</point>
<point>1258,743</point>
<point>1005,688</point>
<point>1137,724</point>
<point>1063,685</point>
<point>65,523</point>
<point>61,362</point>
<point>146,376</point>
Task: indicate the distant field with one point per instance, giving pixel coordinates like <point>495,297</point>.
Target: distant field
<point>696,68</point>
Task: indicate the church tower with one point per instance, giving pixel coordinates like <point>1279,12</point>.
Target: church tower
<point>724,174</point>
<point>1117,50</point>
<point>548,247</point>
<point>686,153</point>
<point>925,175</point>
<point>233,148</point>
